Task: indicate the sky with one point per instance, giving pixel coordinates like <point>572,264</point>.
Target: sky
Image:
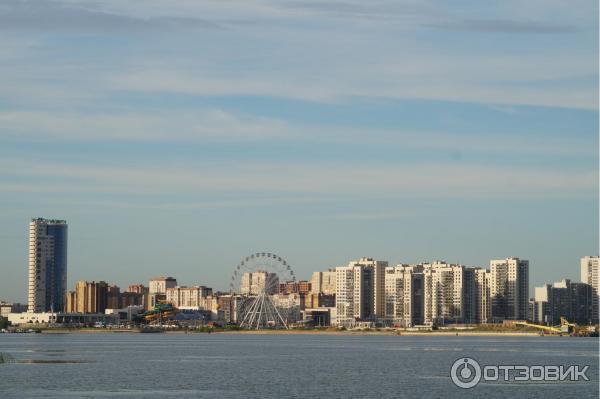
<point>178,137</point>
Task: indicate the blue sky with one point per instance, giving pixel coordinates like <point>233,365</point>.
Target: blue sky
<point>177,137</point>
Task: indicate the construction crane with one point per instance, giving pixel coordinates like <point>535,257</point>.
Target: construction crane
<point>565,327</point>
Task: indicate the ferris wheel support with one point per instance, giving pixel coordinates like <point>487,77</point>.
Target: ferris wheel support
<point>257,278</point>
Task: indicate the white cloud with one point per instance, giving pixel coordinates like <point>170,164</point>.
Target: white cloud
<point>199,124</point>
<point>294,50</point>
<point>217,125</point>
<point>370,216</point>
<point>346,180</point>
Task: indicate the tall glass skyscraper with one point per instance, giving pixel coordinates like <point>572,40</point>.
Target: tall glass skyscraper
<point>47,265</point>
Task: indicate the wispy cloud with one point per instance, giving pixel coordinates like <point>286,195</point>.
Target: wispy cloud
<point>371,216</point>
<point>296,52</point>
<point>213,125</point>
<point>504,26</point>
<point>412,180</point>
<point>59,16</point>
<point>196,124</point>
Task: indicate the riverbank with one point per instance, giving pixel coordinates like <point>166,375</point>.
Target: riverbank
<point>461,333</point>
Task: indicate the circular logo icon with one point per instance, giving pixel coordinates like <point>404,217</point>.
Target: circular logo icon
<point>465,372</point>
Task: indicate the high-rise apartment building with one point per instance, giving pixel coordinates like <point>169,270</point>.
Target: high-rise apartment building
<point>404,295</point>
<point>589,275</point>
<point>47,265</point>
<point>188,298</point>
<point>136,294</point>
<point>509,289</point>
<point>482,299</point>
<point>157,289</point>
<point>113,297</point>
<point>563,299</point>
<point>254,283</point>
<point>323,282</point>
<point>360,291</point>
<point>88,297</point>
<point>446,297</point>
<point>138,289</point>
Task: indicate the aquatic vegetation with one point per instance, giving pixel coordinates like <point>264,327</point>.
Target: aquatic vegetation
<point>6,358</point>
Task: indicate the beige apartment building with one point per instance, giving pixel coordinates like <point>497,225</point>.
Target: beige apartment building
<point>323,282</point>
<point>88,297</point>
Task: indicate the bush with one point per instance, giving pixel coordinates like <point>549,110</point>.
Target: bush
<point>3,322</point>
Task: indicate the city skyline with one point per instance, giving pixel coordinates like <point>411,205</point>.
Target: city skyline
<point>44,232</point>
<point>183,135</point>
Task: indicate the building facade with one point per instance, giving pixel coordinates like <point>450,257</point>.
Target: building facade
<point>360,290</point>
<point>188,298</point>
<point>509,289</point>
<point>482,301</point>
<point>113,297</point>
<point>8,307</point>
<point>47,285</point>
<point>88,297</point>
<point>294,287</point>
<point>404,295</point>
<point>567,299</point>
<point>589,275</point>
<point>254,283</point>
<point>323,282</point>
<point>447,293</point>
<point>157,289</point>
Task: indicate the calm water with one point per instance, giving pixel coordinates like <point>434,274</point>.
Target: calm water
<point>278,366</point>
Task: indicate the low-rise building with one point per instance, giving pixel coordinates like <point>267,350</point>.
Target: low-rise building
<point>67,318</point>
<point>294,287</point>
<point>8,307</point>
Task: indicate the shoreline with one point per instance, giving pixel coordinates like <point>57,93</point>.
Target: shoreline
<point>312,332</point>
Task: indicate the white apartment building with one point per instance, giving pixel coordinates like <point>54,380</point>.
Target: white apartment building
<point>255,283</point>
<point>509,289</point>
<point>589,275</point>
<point>444,293</point>
<point>159,285</point>
<point>157,289</point>
<point>188,298</point>
<point>289,306</point>
<point>403,295</point>
<point>378,268</point>
<point>323,282</point>
<point>360,291</point>
<point>483,303</point>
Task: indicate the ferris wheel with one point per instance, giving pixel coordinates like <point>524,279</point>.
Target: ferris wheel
<point>255,281</point>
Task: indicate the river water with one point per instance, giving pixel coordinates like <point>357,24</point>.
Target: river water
<point>114,365</point>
